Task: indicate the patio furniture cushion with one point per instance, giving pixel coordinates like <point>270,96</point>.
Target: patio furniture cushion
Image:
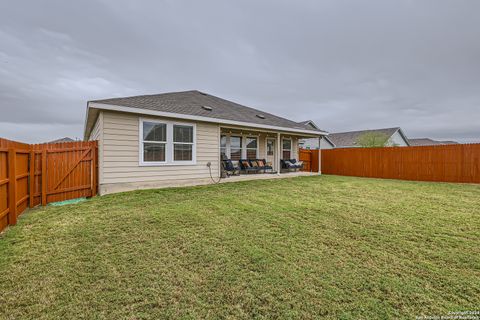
<point>245,163</point>
<point>261,163</point>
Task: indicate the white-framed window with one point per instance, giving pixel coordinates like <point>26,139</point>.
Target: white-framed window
<point>235,148</point>
<point>252,147</point>
<point>182,142</point>
<point>166,143</point>
<point>286,148</point>
<point>223,146</point>
<point>154,141</point>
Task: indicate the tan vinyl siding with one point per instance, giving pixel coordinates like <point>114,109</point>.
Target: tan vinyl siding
<point>261,146</point>
<point>97,134</point>
<point>121,153</point>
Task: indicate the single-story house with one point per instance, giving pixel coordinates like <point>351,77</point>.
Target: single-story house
<point>177,139</point>
<point>349,139</point>
<point>62,140</point>
<point>429,142</point>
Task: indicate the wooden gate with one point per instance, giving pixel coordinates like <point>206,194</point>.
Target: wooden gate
<point>310,160</point>
<point>70,171</point>
<point>42,173</point>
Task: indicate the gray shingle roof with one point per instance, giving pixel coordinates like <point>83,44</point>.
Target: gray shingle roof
<point>309,124</point>
<point>349,139</point>
<point>428,142</point>
<point>192,103</point>
<point>65,139</point>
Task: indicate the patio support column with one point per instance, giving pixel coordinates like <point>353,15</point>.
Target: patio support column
<point>279,166</point>
<point>320,155</point>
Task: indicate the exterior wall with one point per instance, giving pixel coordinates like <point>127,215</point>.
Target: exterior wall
<point>122,171</point>
<point>313,144</point>
<point>397,140</point>
<point>97,134</point>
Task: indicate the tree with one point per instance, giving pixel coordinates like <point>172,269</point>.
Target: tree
<point>372,139</point>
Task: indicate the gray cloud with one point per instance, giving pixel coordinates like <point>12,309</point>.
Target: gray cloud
<point>345,64</point>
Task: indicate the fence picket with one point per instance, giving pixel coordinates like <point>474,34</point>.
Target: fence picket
<point>42,173</point>
<point>444,163</point>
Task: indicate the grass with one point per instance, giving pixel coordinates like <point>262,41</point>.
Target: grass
<point>309,247</point>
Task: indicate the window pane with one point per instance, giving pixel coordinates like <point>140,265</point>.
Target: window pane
<point>287,144</point>
<point>182,152</point>
<point>153,152</point>
<point>223,153</point>
<point>223,141</point>
<point>154,131</point>
<point>235,154</point>
<point>252,143</point>
<point>251,154</point>
<point>235,142</point>
<point>286,155</point>
<point>182,133</point>
<point>270,147</point>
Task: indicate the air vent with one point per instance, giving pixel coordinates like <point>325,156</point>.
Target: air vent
<point>207,108</point>
<point>261,116</point>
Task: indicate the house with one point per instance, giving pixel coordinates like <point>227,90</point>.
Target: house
<point>325,142</point>
<point>428,142</point>
<point>177,139</point>
<point>349,139</point>
<point>61,140</point>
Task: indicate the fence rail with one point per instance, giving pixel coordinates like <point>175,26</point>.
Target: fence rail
<point>36,174</point>
<point>310,160</point>
<point>443,163</point>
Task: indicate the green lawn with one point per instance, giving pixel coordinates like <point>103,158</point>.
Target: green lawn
<point>309,247</point>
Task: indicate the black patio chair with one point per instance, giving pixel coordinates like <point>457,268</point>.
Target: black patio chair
<point>296,164</point>
<point>287,165</point>
<point>229,168</point>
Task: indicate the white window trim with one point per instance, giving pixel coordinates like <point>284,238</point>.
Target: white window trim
<point>266,145</point>
<point>291,148</point>
<point>256,149</point>
<point>168,145</point>
<point>243,150</point>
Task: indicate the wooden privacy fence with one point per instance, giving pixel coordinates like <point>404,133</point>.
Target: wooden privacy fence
<point>36,174</point>
<point>310,159</point>
<point>443,163</point>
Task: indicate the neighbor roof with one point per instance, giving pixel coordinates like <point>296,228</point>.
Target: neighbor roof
<point>200,105</point>
<point>65,139</point>
<point>309,124</point>
<point>428,142</point>
<point>349,139</point>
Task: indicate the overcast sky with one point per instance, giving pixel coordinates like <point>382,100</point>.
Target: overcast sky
<point>347,65</point>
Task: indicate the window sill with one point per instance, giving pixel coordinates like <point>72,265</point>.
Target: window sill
<point>167,164</point>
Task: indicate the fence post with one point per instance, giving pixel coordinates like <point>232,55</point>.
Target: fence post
<point>12,188</point>
<point>44,177</point>
<point>93,166</point>
<point>319,155</point>
<point>31,179</point>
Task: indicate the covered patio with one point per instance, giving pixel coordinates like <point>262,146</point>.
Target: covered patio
<point>269,146</point>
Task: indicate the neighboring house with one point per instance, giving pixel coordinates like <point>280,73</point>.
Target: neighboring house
<point>325,142</point>
<point>428,142</point>
<point>349,139</point>
<point>66,139</point>
<point>169,139</point>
